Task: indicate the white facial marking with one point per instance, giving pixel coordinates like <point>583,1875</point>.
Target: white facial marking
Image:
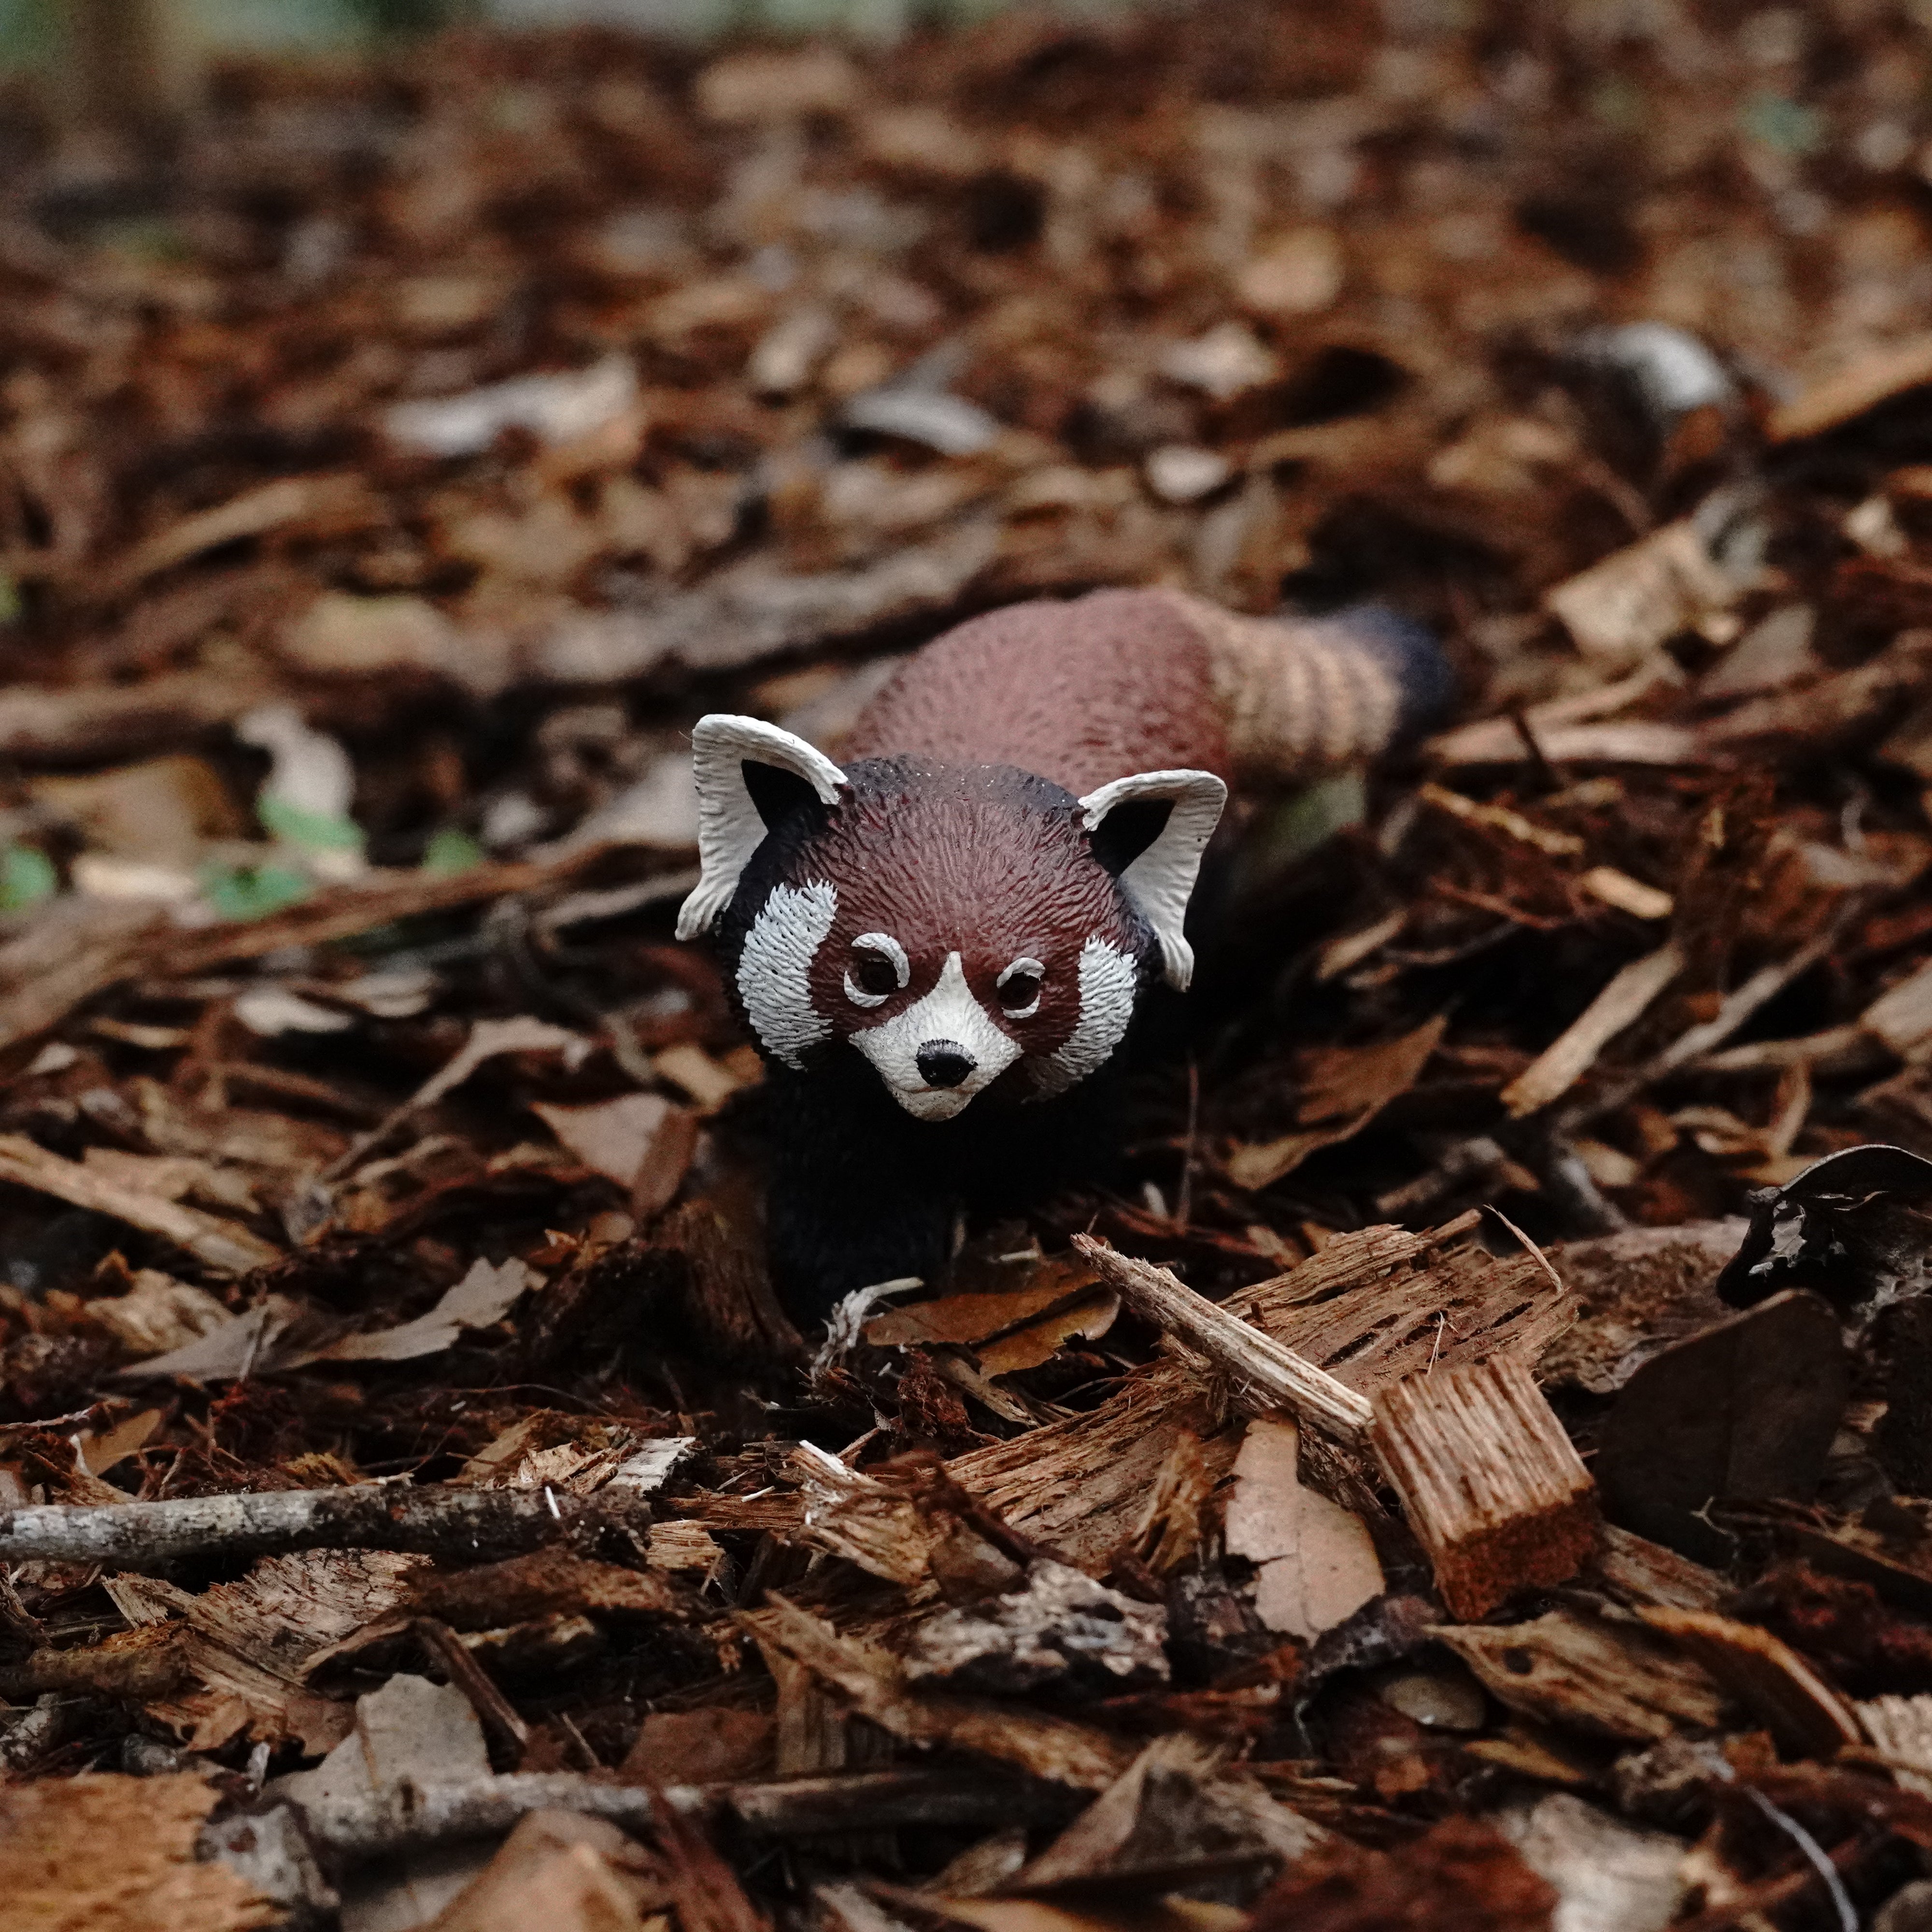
<point>886,948</point>
<point>775,969</point>
<point>1107,978</point>
<point>948,1012</point>
<point>1022,965</point>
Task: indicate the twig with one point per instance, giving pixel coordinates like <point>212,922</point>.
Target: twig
<point>494,1711</point>
<point>465,1526</point>
<point>1266,1375</point>
<point>412,1815</point>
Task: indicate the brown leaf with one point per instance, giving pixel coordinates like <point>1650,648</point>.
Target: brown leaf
<point>1318,1564</point>
<point>1349,1086</point>
<point>1058,1301</point>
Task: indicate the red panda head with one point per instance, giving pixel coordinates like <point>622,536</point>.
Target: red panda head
<point>957,926</point>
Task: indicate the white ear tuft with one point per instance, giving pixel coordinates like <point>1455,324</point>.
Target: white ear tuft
<point>1160,879</point>
<point>729,826</point>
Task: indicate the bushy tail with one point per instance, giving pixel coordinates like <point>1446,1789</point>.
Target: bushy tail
<point>1302,695</point>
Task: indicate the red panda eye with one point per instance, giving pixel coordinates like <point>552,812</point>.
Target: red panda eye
<point>871,974</point>
<point>1019,987</point>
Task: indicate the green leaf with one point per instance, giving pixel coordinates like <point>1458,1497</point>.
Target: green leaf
<point>1785,127</point>
<point>254,892</point>
<point>452,850</point>
<point>311,831</point>
<point>27,877</point>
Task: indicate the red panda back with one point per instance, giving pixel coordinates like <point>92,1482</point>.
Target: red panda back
<point>1124,681</point>
<point>1081,693</point>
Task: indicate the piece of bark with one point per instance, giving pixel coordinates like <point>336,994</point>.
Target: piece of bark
<point>1637,599</point>
<point>1059,1629</point>
<point>1384,1302</point>
<point>1873,377</point>
<point>1491,1485</point>
<point>1745,1408</point>
<point>1641,1574</point>
<point>873,1683</point>
<point>1901,1016</point>
<point>1266,1376</point>
<point>855,1516</point>
<point>1378,1303</point>
<point>1807,1717</point>
<point>1172,1814</point>
<point>1589,1675</point>
<point>546,1583</point>
<point>1461,1875</point>
<point>94,722</point>
<point>1637,1290</point>
<point>1837,711</point>
<point>461,1524</point>
<point>245,1645</point>
<point>65,954</point>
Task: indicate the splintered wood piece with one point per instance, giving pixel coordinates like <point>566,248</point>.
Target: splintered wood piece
<point>1373,1306</point>
<point>1492,1485</point>
<point>1807,1717</point>
<point>1266,1375</point>
<point>1610,1680</point>
<point>1901,1729</point>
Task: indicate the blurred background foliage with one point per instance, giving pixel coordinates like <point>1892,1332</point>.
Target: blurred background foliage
<point>43,33</point>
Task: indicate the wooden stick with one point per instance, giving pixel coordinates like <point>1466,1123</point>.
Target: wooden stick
<point>1266,1375</point>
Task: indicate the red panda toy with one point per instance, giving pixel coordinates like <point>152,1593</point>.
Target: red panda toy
<point>939,946</point>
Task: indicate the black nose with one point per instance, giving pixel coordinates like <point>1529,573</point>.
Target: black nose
<point>944,1063</point>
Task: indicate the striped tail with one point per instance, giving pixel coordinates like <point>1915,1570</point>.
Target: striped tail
<point>1301,695</point>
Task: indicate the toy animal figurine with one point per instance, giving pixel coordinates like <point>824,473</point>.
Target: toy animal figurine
<point>939,946</point>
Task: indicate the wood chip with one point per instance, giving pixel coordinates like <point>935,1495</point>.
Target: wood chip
<point>1901,1728</point>
<point>1489,1482</point>
<point>224,1246</point>
<point>1873,378</point>
<point>1638,598</point>
<point>1572,1053</point>
<point>57,1874</point>
<point>1765,1674</point>
<point>1592,1676</point>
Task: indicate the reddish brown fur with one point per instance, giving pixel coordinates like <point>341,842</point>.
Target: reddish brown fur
<point>948,860</point>
<point>1081,693</point>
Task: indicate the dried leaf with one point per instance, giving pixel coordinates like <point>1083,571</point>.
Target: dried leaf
<point>1318,1564</point>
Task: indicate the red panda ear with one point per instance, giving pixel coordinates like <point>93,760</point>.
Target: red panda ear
<point>745,768</point>
<point>1156,855</point>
